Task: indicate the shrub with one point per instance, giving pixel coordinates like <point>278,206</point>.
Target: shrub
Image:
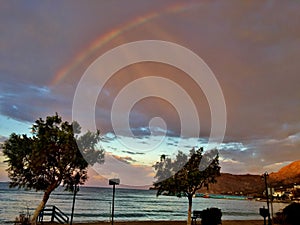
<point>279,218</point>
<point>290,215</point>
<point>211,216</point>
<point>23,219</point>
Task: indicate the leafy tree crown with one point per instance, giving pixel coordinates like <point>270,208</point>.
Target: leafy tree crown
<point>52,155</point>
<point>186,174</point>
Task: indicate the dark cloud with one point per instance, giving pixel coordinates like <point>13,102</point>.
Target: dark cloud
<point>259,155</point>
<point>133,153</point>
<point>27,101</point>
<point>252,47</point>
<point>171,144</point>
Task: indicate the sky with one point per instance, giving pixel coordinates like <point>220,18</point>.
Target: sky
<point>221,74</point>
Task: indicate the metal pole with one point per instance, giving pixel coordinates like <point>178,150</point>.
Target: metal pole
<point>113,206</point>
<point>267,193</point>
<point>76,183</point>
<point>113,182</point>
<point>73,206</point>
<point>272,210</point>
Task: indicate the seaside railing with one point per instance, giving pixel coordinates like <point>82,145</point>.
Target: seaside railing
<point>55,213</point>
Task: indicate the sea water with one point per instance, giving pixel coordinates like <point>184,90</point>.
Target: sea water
<point>95,203</point>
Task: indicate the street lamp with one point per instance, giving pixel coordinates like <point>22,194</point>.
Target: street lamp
<point>113,182</point>
<point>265,176</point>
<point>75,190</point>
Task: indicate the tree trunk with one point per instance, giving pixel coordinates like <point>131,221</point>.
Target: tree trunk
<point>190,198</point>
<point>42,204</point>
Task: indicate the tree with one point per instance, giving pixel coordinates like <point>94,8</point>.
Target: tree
<point>289,215</point>
<point>51,157</point>
<point>186,176</point>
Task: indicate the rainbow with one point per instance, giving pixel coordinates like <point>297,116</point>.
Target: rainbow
<point>110,35</point>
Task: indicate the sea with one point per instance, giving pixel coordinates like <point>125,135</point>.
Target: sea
<point>95,204</point>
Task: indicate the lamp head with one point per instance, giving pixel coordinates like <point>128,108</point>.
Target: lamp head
<point>114,181</point>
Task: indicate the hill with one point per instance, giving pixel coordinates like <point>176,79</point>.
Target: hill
<point>254,184</point>
<point>287,175</point>
<point>237,185</point>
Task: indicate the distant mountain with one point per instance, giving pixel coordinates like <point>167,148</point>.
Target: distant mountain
<point>254,184</point>
<point>287,175</point>
<point>237,185</point>
<point>2,138</point>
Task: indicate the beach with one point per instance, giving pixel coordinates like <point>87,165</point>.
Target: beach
<point>225,222</point>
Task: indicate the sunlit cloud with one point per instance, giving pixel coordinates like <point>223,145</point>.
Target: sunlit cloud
<point>276,166</point>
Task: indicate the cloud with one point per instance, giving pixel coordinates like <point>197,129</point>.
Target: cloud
<point>256,46</point>
<point>276,166</point>
<point>258,155</point>
<point>2,138</point>
<point>133,175</point>
<point>94,179</point>
<point>133,153</point>
<point>3,166</point>
<point>252,48</point>
<point>125,159</point>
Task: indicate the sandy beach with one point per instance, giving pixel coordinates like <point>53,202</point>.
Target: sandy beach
<point>232,222</point>
<point>225,222</point>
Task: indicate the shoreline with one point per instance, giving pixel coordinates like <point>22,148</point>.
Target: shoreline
<point>164,222</point>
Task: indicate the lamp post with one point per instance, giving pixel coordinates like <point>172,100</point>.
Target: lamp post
<point>265,175</point>
<point>76,189</point>
<point>113,182</point>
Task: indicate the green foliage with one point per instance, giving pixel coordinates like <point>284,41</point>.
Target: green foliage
<point>52,155</point>
<point>186,175</point>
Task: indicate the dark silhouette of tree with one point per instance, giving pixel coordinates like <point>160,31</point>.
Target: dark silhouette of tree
<point>186,175</point>
<point>51,157</point>
<point>292,213</point>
